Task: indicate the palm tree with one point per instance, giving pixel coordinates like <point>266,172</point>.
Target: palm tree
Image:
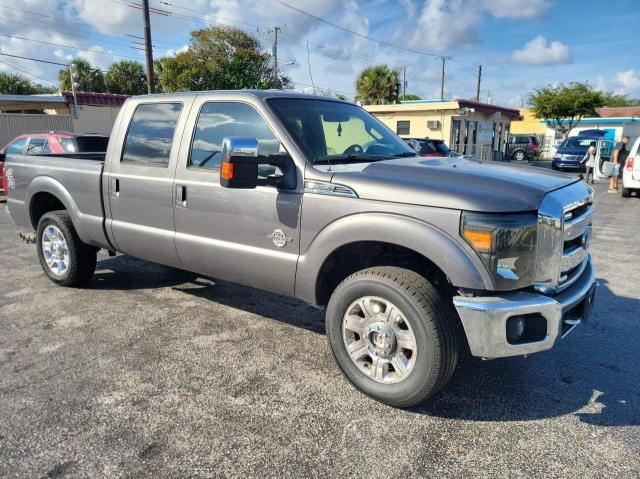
<point>379,84</point>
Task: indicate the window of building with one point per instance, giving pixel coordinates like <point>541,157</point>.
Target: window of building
<point>218,120</point>
<point>403,127</point>
<point>150,134</point>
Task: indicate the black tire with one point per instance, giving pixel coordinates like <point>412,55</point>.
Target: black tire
<point>432,320</point>
<point>82,257</point>
<point>626,192</point>
<point>519,155</point>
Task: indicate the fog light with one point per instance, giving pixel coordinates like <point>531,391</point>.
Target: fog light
<point>515,328</point>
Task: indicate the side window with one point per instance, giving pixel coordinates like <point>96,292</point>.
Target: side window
<point>37,146</point>
<point>17,147</point>
<point>218,120</point>
<point>403,127</point>
<point>150,134</point>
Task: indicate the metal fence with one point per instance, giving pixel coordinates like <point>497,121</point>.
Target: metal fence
<point>483,152</point>
<point>14,124</point>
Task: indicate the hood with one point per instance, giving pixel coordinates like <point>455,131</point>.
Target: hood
<point>457,183</point>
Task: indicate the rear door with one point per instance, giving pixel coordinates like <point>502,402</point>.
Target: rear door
<point>245,236</point>
<point>140,179</point>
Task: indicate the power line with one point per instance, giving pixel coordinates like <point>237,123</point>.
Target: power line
<point>361,35</point>
<point>34,59</point>
<point>26,72</point>
<point>68,46</point>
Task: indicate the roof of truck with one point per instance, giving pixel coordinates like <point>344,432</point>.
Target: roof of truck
<point>247,92</point>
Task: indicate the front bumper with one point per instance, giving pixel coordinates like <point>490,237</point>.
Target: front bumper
<point>485,317</point>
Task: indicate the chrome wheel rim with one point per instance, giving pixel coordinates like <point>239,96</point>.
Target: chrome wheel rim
<point>379,339</point>
<point>519,156</point>
<point>55,250</point>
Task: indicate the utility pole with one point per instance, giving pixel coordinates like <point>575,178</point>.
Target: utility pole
<point>274,53</point>
<point>442,80</point>
<point>479,78</point>
<point>404,82</point>
<point>148,47</point>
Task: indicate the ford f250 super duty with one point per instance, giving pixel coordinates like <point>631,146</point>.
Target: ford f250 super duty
<point>315,198</point>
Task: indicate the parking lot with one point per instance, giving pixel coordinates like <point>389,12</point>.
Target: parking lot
<point>149,371</point>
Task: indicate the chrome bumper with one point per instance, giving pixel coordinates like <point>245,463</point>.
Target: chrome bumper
<point>485,317</point>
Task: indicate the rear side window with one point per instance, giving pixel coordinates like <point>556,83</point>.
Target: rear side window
<point>17,147</point>
<point>92,144</point>
<point>150,134</point>
<point>218,120</point>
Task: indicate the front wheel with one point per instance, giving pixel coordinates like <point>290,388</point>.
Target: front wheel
<point>65,259</point>
<point>519,155</point>
<point>392,334</point>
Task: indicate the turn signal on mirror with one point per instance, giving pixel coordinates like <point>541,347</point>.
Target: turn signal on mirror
<point>226,170</point>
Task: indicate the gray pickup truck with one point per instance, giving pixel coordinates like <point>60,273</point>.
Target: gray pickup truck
<point>413,258</point>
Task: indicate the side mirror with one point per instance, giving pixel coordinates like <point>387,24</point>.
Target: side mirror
<point>239,163</point>
<point>242,166</point>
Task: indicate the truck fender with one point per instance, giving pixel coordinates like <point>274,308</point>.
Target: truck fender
<point>463,268</point>
<point>47,184</point>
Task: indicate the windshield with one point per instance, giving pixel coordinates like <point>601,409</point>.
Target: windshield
<point>335,132</point>
<point>576,143</point>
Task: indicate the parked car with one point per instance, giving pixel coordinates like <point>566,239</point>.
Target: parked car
<point>429,147</point>
<point>316,198</point>
<point>51,143</point>
<point>522,147</point>
<point>631,171</point>
<point>571,151</point>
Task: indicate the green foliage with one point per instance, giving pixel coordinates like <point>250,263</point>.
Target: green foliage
<point>409,96</point>
<point>18,84</point>
<point>616,100</point>
<point>126,77</point>
<point>379,84</point>
<point>564,106</point>
<point>218,58</point>
<point>88,78</point>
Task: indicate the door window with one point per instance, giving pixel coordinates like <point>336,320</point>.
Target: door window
<point>17,147</point>
<point>150,134</point>
<point>38,146</point>
<point>218,120</point>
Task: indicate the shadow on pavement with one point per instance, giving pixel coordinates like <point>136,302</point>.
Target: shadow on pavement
<point>593,373</point>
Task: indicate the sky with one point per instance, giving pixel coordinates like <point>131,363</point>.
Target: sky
<point>521,44</point>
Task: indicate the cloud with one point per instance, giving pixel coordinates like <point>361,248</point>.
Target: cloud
<point>525,9</point>
<point>628,81</point>
<point>538,52</point>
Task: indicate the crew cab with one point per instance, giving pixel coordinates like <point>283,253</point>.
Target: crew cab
<point>315,198</point>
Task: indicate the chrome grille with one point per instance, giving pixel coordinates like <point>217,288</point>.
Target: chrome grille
<point>564,231</point>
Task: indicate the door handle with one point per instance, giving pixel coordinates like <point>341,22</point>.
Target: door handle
<point>115,187</point>
<point>181,196</point>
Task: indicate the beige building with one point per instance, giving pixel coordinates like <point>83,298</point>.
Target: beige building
<point>466,126</point>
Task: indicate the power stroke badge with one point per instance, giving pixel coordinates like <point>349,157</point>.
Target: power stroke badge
<point>279,239</point>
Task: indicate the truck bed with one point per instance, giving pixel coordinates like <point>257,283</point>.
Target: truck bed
<point>74,178</point>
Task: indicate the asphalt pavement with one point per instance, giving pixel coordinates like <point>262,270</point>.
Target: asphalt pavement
<point>152,372</point>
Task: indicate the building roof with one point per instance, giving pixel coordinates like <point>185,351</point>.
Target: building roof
<point>618,112</point>
<point>95,99</point>
<point>431,105</point>
<point>30,102</point>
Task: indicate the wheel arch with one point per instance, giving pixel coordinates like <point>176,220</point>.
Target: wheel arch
<point>46,194</point>
<point>348,243</point>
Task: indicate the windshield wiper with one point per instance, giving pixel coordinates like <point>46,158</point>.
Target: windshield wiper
<point>344,159</point>
<point>405,154</point>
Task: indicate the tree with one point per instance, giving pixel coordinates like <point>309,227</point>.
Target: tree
<point>564,106</point>
<point>126,77</point>
<point>379,84</point>
<point>409,96</point>
<point>219,58</point>
<point>618,100</point>
<point>18,84</point>
<point>88,78</point>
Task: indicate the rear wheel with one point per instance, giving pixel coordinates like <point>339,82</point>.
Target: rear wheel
<point>65,259</point>
<point>519,155</point>
<point>392,334</point>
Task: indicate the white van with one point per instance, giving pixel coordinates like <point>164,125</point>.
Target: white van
<point>631,172</point>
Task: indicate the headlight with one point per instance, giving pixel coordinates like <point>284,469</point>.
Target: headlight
<point>507,245</point>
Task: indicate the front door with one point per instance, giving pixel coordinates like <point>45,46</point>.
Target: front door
<point>141,183</point>
<point>246,236</point>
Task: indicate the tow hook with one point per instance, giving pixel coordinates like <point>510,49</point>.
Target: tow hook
<point>28,237</point>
